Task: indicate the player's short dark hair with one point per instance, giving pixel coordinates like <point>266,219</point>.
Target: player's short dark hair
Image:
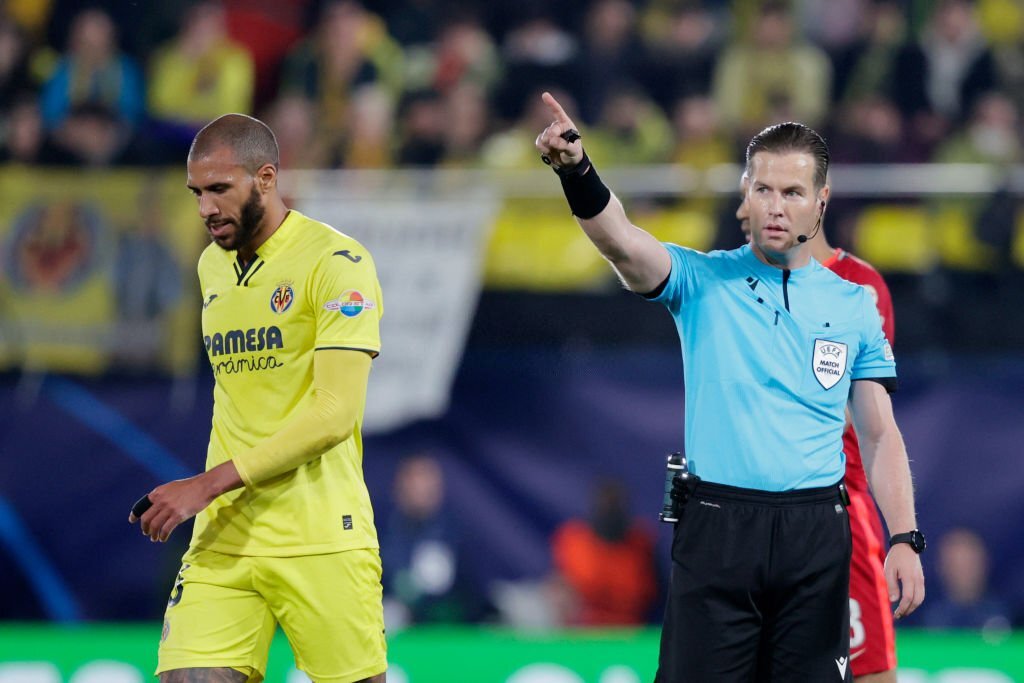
<point>793,137</point>
<point>251,140</point>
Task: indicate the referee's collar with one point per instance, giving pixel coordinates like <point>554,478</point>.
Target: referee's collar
<point>771,272</point>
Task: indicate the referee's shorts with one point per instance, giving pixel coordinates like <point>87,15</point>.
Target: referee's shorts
<point>759,588</point>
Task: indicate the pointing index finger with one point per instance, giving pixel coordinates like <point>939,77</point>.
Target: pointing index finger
<point>556,108</point>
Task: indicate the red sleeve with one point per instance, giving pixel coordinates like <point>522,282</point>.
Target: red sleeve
<point>857,270</point>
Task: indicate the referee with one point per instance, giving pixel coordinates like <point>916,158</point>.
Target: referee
<point>776,348</point>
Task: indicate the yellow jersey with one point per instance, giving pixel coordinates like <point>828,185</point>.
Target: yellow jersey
<point>309,287</point>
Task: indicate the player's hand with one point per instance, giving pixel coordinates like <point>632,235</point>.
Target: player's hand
<point>905,579</point>
<point>173,503</point>
<point>552,145</point>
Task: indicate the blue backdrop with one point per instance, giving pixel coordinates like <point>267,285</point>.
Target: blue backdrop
<point>529,428</point>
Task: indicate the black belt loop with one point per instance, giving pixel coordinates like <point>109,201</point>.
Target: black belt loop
<point>844,495</point>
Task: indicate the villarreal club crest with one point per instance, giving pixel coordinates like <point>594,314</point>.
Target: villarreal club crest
<point>282,298</point>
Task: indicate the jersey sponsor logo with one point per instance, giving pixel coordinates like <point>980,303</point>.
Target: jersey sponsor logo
<point>233,365</point>
<point>208,301</point>
<point>829,362</point>
<point>282,298</point>
<point>244,341</point>
<point>350,304</point>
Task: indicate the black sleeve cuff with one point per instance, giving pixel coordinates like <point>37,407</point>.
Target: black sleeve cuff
<point>891,384</point>
<point>656,292</point>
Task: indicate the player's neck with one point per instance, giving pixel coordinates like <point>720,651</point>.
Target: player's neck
<point>273,218</point>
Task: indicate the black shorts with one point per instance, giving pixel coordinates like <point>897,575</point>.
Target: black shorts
<point>759,589</point>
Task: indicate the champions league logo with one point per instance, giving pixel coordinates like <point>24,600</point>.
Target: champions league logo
<point>829,362</point>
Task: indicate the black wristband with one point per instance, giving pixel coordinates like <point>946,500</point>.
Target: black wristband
<point>586,194</point>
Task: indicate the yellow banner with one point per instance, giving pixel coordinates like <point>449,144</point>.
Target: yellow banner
<point>97,271</point>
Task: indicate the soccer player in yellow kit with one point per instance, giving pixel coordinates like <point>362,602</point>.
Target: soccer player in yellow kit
<point>284,530</point>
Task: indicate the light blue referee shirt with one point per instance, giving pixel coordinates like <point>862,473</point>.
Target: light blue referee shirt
<point>768,356</point>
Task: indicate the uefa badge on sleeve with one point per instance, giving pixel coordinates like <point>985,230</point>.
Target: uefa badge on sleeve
<point>829,362</point>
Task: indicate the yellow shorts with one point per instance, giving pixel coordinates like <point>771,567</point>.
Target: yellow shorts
<point>223,610</point>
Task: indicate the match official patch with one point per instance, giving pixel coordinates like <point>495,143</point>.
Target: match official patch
<point>350,304</point>
<point>888,352</point>
<point>346,522</point>
<point>829,362</point>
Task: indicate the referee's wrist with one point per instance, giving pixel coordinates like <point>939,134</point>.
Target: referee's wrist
<point>584,190</point>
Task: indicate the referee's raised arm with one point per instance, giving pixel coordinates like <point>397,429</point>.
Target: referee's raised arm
<point>642,262</point>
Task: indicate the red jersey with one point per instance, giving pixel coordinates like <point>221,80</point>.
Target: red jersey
<point>872,640</point>
<point>849,267</point>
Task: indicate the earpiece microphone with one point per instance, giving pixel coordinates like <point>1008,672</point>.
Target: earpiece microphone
<point>803,238</point>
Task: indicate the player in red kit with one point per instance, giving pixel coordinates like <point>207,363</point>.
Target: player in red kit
<point>872,639</point>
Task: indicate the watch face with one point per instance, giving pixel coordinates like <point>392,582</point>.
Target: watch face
<point>917,541</point>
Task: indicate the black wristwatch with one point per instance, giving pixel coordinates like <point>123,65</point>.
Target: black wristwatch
<point>915,539</point>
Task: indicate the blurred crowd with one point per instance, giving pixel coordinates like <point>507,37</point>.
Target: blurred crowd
<point>456,84</point>
<point>452,83</point>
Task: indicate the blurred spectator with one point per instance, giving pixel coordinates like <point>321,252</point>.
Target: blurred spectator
<point>292,118</point>
<point>464,53</point>
<point>347,51</point>
<point>938,78</point>
<point>772,77</point>
<point>867,66</point>
<point>421,122</point>
<point>14,76</point>
<point>699,142</point>
<point>139,25</point>
<point>832,24</point>
<point>24,137</point>
<point>93,72</point>
<point>91,135</point>
<point>538,54</point>
<point>267,29</point>
<point>964,599</point>
<point>991,135</point>
<point>611,53</point>
<point>608,561</point>
<point>631,129</point>
<point>420,549</point>
<point>369,143</point>
<point>467,114</point>
<point>869,130</point>
<point>681,58</point>
<point>148,278</point>
<point>198,76</point>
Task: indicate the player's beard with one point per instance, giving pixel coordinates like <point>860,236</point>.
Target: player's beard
<point>248,223</point>
<point>250,219</point>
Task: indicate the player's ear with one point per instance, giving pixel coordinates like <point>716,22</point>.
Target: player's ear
<point>266,177</point>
